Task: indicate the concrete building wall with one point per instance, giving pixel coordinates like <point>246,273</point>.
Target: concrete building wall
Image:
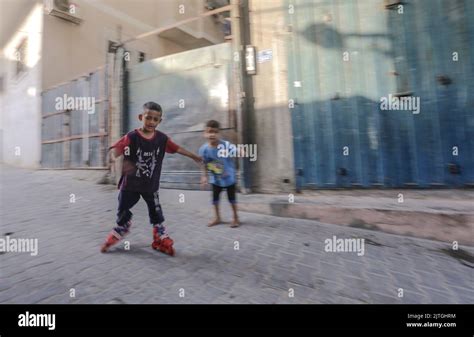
<point>273,171</point>
<point>64,51</point>
<point>71,50</point>
<point>2,91</point>
<point>20,99</point>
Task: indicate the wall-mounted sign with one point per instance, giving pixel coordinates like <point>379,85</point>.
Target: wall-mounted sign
<point>264,55</point>
<point>250,65</point>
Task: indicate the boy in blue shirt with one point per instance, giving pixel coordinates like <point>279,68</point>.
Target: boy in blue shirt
<point>218,170</point>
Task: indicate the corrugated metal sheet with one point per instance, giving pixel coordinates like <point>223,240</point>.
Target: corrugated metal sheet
<point>345,55</point>
<point>75,139</point>
<point>192,87</point>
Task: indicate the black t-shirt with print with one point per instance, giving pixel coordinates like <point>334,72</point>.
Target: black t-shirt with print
<point>144,160</point>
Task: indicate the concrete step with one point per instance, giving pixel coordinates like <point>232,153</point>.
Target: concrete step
<point>437,215</point>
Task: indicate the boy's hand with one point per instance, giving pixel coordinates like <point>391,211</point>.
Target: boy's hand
<point>197,159</point>
<point>112,156</point>
<point>128,167</point>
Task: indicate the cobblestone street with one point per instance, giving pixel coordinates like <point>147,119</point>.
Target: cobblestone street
<point>266,260</point>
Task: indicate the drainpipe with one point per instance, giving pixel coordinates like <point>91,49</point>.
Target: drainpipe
<point>243,85</point>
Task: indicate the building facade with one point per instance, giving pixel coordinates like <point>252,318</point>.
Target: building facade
<point>334,94</point>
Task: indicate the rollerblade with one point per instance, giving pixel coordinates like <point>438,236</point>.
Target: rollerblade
<point>115,236</point>
<point>164,245</point>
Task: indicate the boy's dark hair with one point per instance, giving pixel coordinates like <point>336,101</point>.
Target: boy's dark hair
<point>152,106</point>
<point>212,124</point>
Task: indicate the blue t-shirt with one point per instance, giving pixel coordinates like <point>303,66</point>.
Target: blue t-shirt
<point>219,163</point>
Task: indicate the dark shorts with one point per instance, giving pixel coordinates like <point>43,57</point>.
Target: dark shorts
<point>128,199</point>
<point>216,191</point>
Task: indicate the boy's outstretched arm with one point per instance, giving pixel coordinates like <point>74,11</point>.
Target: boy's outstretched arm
<point>191,155</point>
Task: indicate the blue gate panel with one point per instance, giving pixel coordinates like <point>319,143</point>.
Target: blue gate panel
<point>345,56</point>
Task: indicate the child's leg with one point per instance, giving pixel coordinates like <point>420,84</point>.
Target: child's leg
<point>161,239</point>
<point>233,202</point>
<point>127,200</point>
<point>155,212</point>
<point>235,221</point>
<point>216,191</point>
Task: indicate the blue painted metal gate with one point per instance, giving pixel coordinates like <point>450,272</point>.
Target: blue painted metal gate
<point>345,56</point>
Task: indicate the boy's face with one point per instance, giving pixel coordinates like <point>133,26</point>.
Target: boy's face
<point>211,134</point>
<point>150,119</point>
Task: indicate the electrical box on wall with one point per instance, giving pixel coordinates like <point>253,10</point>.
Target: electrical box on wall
<point>63,9</point>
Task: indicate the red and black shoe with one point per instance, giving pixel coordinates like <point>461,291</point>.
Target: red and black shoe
<point>115,236</point>
<point>164,245</point>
